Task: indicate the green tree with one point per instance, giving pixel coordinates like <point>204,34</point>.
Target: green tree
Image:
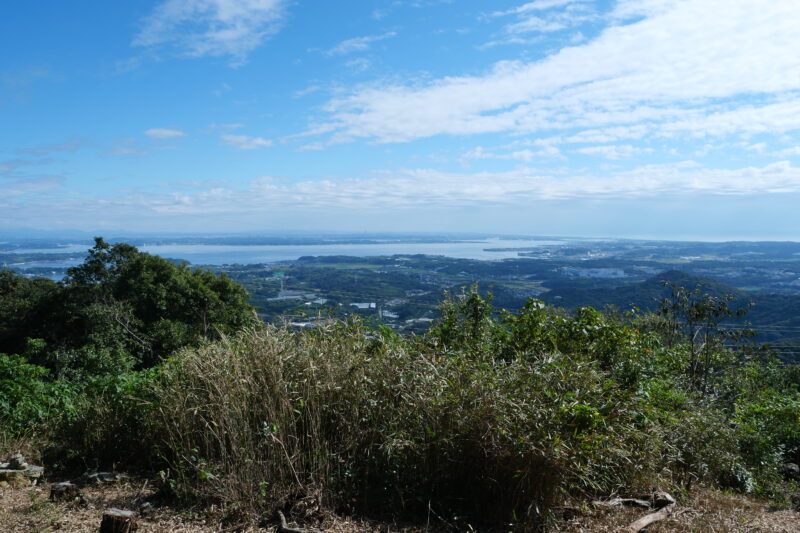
<point>121,297</point>
<point>695,318</point>
<point>25,308</point>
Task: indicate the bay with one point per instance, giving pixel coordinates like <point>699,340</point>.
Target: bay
<point>213,254</point>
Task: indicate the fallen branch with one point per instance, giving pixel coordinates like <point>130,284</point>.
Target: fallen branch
<point>625,502</point>
<point>646,520</point>
<point>284,527</point>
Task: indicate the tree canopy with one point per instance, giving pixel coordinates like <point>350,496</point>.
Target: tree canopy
<point>120,306</point>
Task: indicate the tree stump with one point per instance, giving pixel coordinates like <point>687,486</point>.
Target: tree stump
<point>118,521</point>
<point>63,491</point>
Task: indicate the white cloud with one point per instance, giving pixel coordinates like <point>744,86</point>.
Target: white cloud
<point>610,151</point>
<point>535,24</point>
<point>10,165</point>
<point>358,44</point>
<point>125,147</point>
<point>541,17</point>
<point>359,64</point>
<point>164,133</point>
<point>212,27</point>
<point>424,188</point>
<point>71,145</point>
<point>524,155</point>
<point>231,126</point>
<point>537,5</point>
<point>432,196</point>
<point>245,142</point>
<point>631,9</point>
<point>29,185</point>
<point>793,151</point>
<point>672,71</point>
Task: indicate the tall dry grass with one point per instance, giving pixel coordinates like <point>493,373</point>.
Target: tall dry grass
<point>378,424</point>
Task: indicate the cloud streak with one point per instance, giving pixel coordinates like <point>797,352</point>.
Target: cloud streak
<point>671,71</point>
<point>358,44</point>
<point>245,142</point>
<point>164,133</point>
<point>197,28</point>
<point>426,188</point>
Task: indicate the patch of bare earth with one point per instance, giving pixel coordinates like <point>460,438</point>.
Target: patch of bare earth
<point>30,510</point>
<point>704,511</point>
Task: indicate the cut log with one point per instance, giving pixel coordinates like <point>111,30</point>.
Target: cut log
<point>651,518</point>
<point>63,491</point>
<point>118,521</point>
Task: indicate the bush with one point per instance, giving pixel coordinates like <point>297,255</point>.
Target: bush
<point>111,423</point>
<point>393,426</point>
<point>29,403</point>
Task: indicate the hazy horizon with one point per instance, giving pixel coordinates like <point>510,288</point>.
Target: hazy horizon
<point>86,236</point>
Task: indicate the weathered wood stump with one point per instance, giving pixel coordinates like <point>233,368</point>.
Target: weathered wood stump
<point>662,499</point>
<point>63,491</point>
<point>118,521</point>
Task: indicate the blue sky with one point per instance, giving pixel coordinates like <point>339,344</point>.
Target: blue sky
<point>628,118</point>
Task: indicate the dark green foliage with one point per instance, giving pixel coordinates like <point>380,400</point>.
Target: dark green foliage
<point>28,399</point>
<point>148,305</point>
<point>25,309</point>
<point>120,308</point>
<point>111,423</point>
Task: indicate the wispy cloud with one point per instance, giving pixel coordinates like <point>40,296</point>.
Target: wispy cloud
<point>671,71</point>
<point>20,83</point>
<point>541,17</point>
<point>424,187</point>
<point>10,165</point>
<point>230,126</point>
<point>164,133</point>
<point>794,151</point>
<point>359,64</point>
<point>71,145</point>
<point>125,148</point>
<point>417,190</point>
<point>30,185</point>
<point>611,151</point>
<point>357,44</point>
<point>525,155</point>
<point>245,142</point>
<point>536,5</point>
<point>212,27</point>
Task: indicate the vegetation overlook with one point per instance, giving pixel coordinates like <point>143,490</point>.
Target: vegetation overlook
<point>492,418</point>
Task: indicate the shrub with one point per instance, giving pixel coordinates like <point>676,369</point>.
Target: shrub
<point>393,426</point>
<point>110,424</point>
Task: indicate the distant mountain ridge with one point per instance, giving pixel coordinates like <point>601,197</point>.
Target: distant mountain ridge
<point>644,295</point>
<point>775,317</point>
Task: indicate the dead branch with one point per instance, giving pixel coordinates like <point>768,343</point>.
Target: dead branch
<point>284,528</point>
<point>624,502</point>
<point>646,520</point>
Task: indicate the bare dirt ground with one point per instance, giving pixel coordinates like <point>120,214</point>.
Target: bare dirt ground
<point>705,511</point>
<point>29,510</point>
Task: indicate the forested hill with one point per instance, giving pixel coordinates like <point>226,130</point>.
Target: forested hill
<point>645,295</point>
<point>775,317</point>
